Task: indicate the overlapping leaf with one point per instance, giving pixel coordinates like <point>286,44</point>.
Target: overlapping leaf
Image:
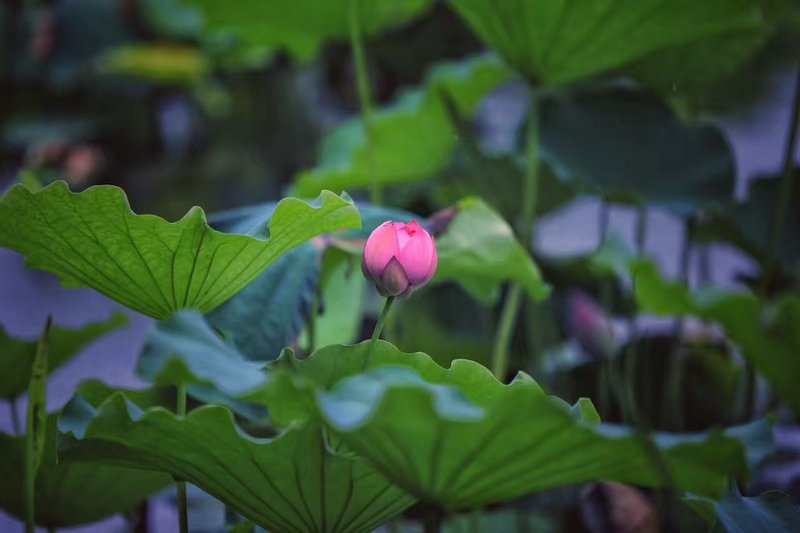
<point>300,27</point>
<point>560,42</point>
<point>480,251</point>
<point>459,438</point>
<point>295,481</point>
<point>16,355</point>
<point>772,511</point>
<point>153,266</point>
<point>629,145</point>
<point>71,494</point>
<point>412,138</point>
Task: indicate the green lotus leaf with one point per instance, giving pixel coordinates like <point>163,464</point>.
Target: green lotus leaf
<point>772,511</point>
<point>299,480</point>
<point>185,350</point>
<point>71,494</point>
<point>629,146</point>
<point>302,26</point>
<point>560,42</point>
<point>767,333</point>
<point>413,137</point>
<point>16,355</point>
<point>479,250</point>
<point>459,438</point>
<point>93,239</point>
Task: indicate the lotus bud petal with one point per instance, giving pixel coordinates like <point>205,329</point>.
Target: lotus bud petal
<point>399,258</point>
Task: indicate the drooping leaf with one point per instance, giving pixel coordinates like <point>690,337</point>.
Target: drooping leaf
<point>765,332</point>
<point>562,42</point>
<point>459,438</point>
<point>296,481</point>
<point>630,146</point>
<point>480,251</point>
<point>413,137</point>
<point>772,511</point>
<point>302,26</point>
<point>16,355</point>
<point>71,494</point>
<point>155,267</point>
<point>184,349</point>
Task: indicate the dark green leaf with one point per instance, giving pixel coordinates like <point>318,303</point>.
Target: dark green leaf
<point>184,349</point>
<point>560,42</point>
<point>16,355</point>
<point>268,315</point>
<point>772,511</point>
<point>296,481</point>
<point>155,267</point>
<point>68,493</point>
<point>629,145</point>
<point>413,137</point>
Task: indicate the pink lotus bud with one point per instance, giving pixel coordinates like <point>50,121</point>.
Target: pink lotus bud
<point>399,258</point>
<point>590,325</point>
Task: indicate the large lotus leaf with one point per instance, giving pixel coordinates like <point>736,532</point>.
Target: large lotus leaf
<point>412,138</point>
<point>628,144</point>
<point>772,511</point>
<point>479,250</point>
<point>725,72</point>
<point>16,355</point>
<point>767,333</point>
<point>301,26</point>
<point>295,481</point>
<point>460,438</point>
<point>93,239</point>
<point>559,42</point>
<point>269,314</point>
<point>70,494</point>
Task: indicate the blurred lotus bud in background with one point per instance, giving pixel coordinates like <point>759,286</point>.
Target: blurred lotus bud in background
<point>589,324</point>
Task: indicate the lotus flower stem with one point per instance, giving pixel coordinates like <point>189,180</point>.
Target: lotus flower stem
<point>511,307</point>
<point>183,515</point>
<point>376,333</point>
<point>364,98</point>
<point>15,423</point>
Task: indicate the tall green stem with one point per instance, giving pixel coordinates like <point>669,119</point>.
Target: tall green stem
<point>511,306</point>
<point>183,513</point>
<point>672,410</point>
<point>364,98</point>
<point>15,423</point>
<point>376,333</point>
<point>36,425</point>
<point>785,192</point>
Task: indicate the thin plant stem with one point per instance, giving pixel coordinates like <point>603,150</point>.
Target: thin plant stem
<point>785,191</point>
<point>606,367</point>
<point>505,331</point>
<point>183,514</point>
<point>376,333</point>
<point>15,423</point>
<point>672,412</point>
<point>525,230</point>
<point>312,322</point>
<point>364,98</point>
